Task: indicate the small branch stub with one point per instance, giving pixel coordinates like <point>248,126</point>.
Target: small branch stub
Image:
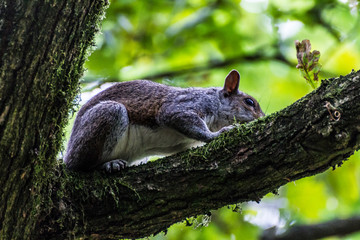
<point>334,113</point>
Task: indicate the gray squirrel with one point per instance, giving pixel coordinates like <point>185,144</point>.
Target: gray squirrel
<point>131,120</point>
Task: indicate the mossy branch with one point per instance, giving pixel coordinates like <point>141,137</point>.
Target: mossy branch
<point>308,137</point>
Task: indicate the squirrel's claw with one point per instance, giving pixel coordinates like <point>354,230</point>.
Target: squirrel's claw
<point>114,166</point>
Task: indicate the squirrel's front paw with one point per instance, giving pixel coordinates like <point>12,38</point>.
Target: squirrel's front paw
<point>222,130</point>
<point>114,166</point>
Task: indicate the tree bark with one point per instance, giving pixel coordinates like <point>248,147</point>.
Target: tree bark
<point>43,45</point>
<point>42,50</point>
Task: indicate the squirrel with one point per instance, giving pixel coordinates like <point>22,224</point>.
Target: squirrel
<point>132,120</point>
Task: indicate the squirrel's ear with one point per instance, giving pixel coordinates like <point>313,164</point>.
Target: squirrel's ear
<point>232,81</point>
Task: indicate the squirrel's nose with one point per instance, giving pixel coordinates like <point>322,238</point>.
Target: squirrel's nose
<point>261,114</point>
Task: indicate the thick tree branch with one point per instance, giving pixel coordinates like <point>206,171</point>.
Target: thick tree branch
<point>336,227</point>
<point>301,140</point>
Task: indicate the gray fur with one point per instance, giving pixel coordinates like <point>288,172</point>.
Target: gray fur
<point>132,120</point>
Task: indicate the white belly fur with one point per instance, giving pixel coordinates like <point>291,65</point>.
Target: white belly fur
<point>138,142</point>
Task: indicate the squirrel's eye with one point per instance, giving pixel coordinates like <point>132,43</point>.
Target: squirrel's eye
<point>249,102</point>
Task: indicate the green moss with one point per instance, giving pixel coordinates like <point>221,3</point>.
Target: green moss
<point>62,87</point>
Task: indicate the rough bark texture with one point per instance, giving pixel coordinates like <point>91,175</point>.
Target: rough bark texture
<point>42,50</point>
<point>43,47</point>
<point>304,139</point>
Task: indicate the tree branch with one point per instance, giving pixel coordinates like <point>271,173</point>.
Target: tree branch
<point>213,64</point>
<point>336,227</point>
<point>318,131</point>
<point>258,56</point>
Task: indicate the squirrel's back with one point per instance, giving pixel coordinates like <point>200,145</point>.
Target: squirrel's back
<point>141,98</point>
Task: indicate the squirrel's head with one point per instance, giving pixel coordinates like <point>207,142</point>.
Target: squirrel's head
<point>239,106</point>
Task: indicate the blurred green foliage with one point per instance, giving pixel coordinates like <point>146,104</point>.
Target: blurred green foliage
<point>197,42</point>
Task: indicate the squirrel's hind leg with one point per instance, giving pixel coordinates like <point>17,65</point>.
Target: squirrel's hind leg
<point>113,166</point>
<point>96,134</point>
